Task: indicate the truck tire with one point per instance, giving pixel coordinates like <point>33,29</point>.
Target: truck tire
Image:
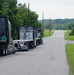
<point>14,52</point>
<point>36,43</point>
<point>4,51</point>
<point>27,47</point>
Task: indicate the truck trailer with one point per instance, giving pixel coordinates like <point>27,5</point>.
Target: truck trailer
<point>6,41</point>
<point>26,38</point>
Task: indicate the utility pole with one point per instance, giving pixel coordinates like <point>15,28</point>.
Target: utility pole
<point>28,14</point>
<point>49,25</point>
<point>43,22</point>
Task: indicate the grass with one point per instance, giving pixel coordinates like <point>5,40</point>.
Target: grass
<point>68,37</point>
<point>70,54</point>
<point>47,33</point>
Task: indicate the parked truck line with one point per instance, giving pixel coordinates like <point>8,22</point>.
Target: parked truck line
<point>29,37</point>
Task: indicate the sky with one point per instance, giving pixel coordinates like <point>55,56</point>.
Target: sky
<point>53,9</point>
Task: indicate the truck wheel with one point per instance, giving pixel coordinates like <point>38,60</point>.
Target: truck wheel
<point>32,46</point>
<point>27,47</point>
<point>36,43</point>
<point>6,52</point>
<point>3,53</point>
<point>14,52</point>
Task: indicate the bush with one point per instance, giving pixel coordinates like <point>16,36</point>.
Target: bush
<point>72,31</point>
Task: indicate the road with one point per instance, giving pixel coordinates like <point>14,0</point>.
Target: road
<point>46,59</point>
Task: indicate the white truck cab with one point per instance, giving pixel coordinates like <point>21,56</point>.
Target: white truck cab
<point>26,38</point>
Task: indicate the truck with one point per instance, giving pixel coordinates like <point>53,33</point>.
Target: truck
<point>26,38</point>
<point>6,41</point>
<point>39,39</point>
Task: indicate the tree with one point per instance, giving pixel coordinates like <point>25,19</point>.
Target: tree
<point>71,27</point>
<point>18,14</point>
<point>9,8</point>
<point>27,16</point>
<point>5,9</point>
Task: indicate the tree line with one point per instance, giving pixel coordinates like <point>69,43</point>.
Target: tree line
<point>18,14</point>
<point>59,24</point>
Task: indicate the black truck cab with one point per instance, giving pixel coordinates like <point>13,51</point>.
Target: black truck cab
<point>6,41</point>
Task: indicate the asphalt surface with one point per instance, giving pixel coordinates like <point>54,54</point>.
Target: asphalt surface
<point>46,59</point>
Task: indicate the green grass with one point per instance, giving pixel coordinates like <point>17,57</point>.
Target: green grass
<point>47,33</point>
<point>70,55</point>
<point>68,37</point>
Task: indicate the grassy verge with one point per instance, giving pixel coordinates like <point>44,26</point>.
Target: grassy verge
<point>68,37</point>
<point>47,33</point>
<point>70,55</point>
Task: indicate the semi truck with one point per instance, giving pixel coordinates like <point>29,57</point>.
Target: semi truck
<point>6,41</point>
<point>39,39</point>
<point>26,38</point>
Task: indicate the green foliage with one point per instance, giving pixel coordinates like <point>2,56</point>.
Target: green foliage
<point>59,24</point>
<point>73,30</point>
<point>70,54</point>
<point>18,14</point>
<point>48,33</point>
<point>67,36</point>
<point>49,26</point>
<point>5,9</point>
<point>27,17</point>
<point>71,27</point>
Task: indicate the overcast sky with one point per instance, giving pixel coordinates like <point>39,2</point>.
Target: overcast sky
<point>51,8</point>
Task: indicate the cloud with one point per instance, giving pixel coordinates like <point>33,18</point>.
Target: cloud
<point>52,8</point>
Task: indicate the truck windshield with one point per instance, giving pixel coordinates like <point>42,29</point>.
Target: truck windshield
<point>29,35</point>
<point>38,35</point>
<point>1,26</point>
<point>22,33</point>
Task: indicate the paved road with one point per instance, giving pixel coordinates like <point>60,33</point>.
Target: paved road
<point>69,42</point>
<point>46,59</point>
